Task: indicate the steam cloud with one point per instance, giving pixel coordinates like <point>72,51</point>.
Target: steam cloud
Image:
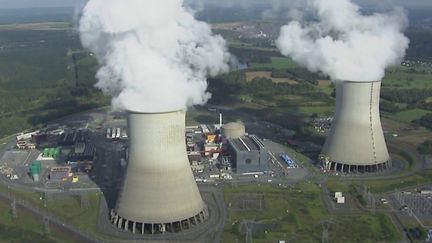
<point>345,44</point>
<point>154,55</point>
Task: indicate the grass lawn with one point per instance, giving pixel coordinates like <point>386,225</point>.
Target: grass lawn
<point>277,63</point>
<point>416,137</point>
<point>296,214</point>
<point>292,209</point>
<point>249,46</point>
<point>380,186</point>
<point>403,79</point>
<point>68,209</point>
<point>409,115</point>
<point>26,228</point>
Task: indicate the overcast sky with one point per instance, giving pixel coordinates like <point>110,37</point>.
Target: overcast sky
<point>65,3</point>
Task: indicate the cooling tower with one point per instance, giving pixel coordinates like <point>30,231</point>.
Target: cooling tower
<point>356,142</point>
<point>159,193</point>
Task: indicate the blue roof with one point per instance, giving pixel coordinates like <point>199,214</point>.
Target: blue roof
<point>287,159</point>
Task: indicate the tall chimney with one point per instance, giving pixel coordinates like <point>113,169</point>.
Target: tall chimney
<point>220,120</point>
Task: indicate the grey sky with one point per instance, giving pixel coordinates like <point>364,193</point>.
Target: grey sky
<point>65,3</point>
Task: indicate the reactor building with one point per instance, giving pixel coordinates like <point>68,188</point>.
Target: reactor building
<point>248,154</point>
<point>233,130</point>
<point>355,142</point>
<point>159,193</point>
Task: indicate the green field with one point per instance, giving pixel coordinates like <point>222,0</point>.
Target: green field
<point>69,209</point>
<point>409,115</point>
<point>276,63</point>
<point>295,214</point>
<point>37,76</point>
<point>383,185</point>
<point>26,228</point>
<point>243,45</point>
<point>403,79</point>
<point>379,186</point>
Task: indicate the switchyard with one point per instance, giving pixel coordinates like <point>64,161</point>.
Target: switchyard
<point>416,205</point>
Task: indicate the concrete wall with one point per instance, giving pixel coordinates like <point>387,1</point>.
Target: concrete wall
<point>356,136</point>
<point>248,161</point>
<point>159,186</point>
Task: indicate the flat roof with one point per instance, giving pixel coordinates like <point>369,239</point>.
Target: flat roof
<point>245,143</point>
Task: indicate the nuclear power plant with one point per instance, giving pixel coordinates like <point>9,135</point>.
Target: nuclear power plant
<point>159,193</point>
<point>356,141</point>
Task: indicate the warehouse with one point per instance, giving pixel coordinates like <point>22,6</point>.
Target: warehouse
<point>248,154</point>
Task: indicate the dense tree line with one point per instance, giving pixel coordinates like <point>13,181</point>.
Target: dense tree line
<point>233,85</point>
<point>299,74</point>
<point>425,121</point>
<point>408,96</point>
<point>248,56</point>
<point>426,147</point>
<point>391,107</point>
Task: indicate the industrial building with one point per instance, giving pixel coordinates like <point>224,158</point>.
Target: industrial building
<point>72,137</point>
<point>248,154</point>
<point>82,152</point>
<point>159,192</point>
<point>45,139</point>
<point>24,144</point>
<point>81,157</point>
<point>59,174</point>
<point>355,142</point>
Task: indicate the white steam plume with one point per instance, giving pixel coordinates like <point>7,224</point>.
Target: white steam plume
<point>345,44</point>
<point>154,55</point>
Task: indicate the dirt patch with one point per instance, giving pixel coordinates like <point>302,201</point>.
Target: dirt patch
<point>324,82</point>
<point>251,75</point>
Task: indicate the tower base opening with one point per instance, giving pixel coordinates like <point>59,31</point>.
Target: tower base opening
<point>349,168</point>
<point>143,228</point>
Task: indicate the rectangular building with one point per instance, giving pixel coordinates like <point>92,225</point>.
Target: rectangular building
<point>248,154</point>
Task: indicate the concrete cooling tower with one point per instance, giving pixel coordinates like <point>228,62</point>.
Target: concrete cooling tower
<point>159,193</point>
<point>356,142</point>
